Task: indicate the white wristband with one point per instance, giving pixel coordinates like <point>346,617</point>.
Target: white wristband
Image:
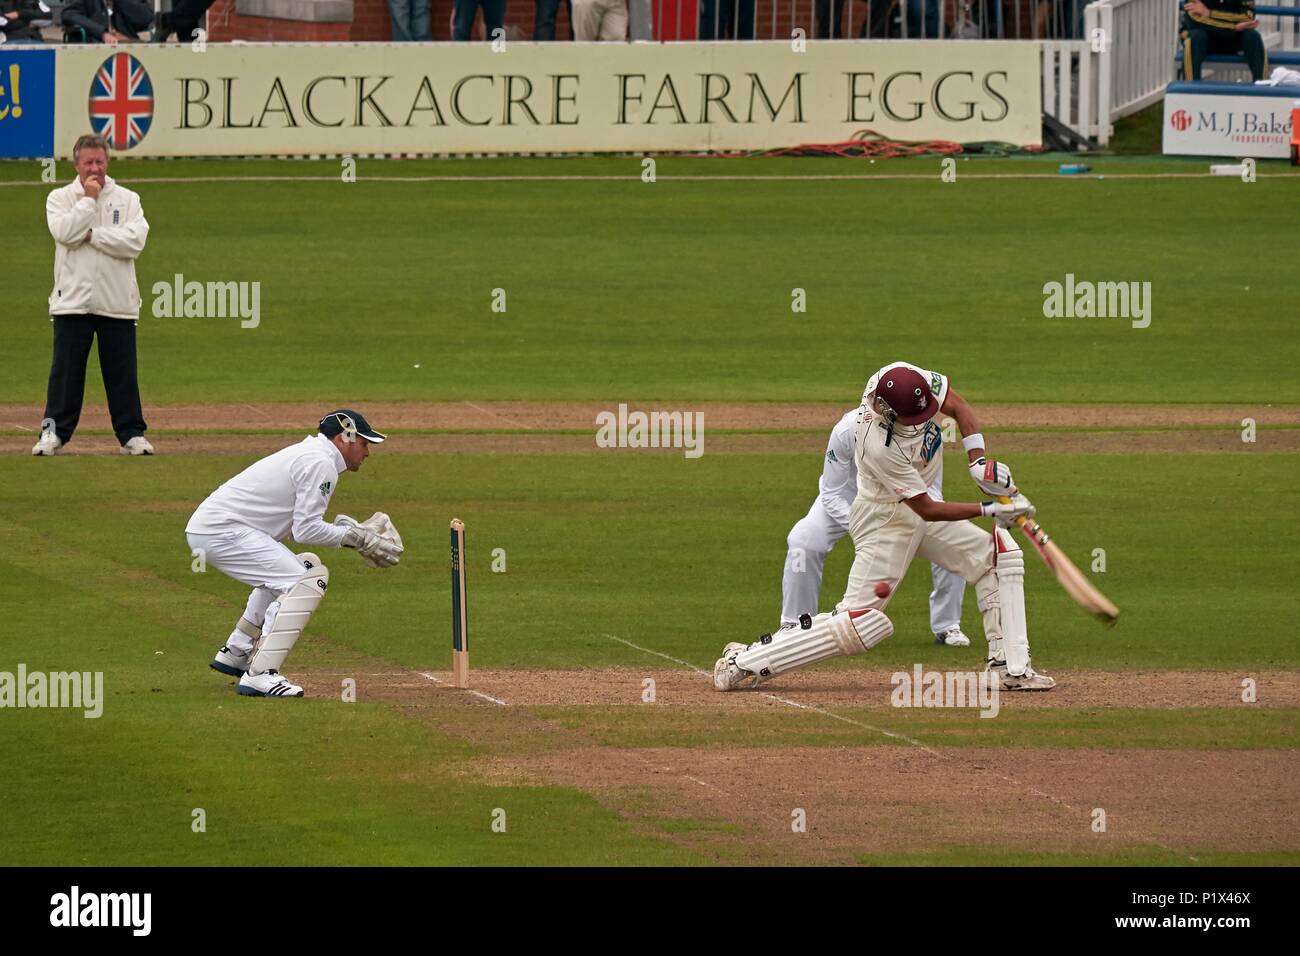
<point>973,441</point>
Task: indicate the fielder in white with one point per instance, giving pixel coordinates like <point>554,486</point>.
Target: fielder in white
<point>815,534</point>
<point>239,529</point>
<point>893,519</point>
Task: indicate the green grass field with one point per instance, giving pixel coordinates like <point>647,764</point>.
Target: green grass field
<point>625,565</point>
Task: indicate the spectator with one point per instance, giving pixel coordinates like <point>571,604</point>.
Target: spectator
<point>105,21</point>
<point>728,19</point>
<point>18,19</point>
<point>99,229</point>
<point>1221,26</point>
<point>600,20</point>
<point>464,11</point>
<point>183,20</point>
<point>412,20</point>
<point>544,18</point>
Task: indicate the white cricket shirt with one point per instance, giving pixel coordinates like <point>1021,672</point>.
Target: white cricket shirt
<point>284,494</point>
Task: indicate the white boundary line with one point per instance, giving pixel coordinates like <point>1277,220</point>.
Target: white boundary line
<point>850,177</point>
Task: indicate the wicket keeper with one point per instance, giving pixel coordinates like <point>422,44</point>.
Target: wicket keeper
<point>240,527</point>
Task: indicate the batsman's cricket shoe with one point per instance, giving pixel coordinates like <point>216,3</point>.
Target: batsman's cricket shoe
<point>267,684</point>
<point>726,675</point>
<point>232,661</point>
<point>953,637</point>
<point>1029,680</point>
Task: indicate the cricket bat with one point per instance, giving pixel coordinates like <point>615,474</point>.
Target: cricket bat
<point>1085,594</point>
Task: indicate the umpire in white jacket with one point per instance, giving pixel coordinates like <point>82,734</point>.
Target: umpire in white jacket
<point>99,229</point>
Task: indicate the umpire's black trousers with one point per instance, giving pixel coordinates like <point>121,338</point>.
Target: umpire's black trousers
<point>72,338</point>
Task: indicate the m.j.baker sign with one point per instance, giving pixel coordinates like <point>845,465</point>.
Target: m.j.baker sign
<point>1228,119</point>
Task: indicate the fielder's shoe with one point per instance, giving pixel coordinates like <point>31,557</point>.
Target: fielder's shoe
<point>267,684</point>
<point>137,446</point>
<point>1029,680</point>
<point>953,637</point>
<point>726,675</point>
<point>232,661</point>
<point>48,444</point>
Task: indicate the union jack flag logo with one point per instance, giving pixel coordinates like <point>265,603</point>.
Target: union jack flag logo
<point>121,101</point>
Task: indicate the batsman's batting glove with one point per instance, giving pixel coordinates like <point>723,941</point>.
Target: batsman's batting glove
<point>1006,514</point>
<point>993,477</point>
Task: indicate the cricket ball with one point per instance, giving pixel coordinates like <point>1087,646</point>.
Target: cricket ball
<point>882,589</point>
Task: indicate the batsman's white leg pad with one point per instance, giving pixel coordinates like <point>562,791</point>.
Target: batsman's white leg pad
<point>286,618</point>
<point>309,560</point>
<point>833,634</point>
<point>990,605</point>
<point>1009,566</point>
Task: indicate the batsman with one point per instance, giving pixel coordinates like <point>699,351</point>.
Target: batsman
<point>894,519</point>
<point>240,529</point>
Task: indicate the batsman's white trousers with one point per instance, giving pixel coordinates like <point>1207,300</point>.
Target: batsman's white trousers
<point>886,536</point>
<point>254,558</point>
<point>813,537</point>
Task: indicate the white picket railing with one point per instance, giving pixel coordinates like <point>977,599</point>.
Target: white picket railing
<point>1076,87</point>
<point>1140,38</point>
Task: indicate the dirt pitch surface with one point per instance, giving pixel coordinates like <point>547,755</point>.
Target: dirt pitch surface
<point>878,792</point>
<point>730,428</point>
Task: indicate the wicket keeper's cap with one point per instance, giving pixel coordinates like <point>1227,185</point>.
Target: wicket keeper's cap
<point>346,420</point>
<point>907,394</point>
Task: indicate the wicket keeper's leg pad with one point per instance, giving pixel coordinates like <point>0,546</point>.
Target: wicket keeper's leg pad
<point>286,618</point>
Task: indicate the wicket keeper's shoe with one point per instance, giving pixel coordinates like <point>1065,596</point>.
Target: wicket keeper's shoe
<point>1029,680</point>
<point>232,661</point>
<point>267,684</point>
<point>138,445</point>
<point>953,637</point>
<point>726,675</point>
<point>48,444</point>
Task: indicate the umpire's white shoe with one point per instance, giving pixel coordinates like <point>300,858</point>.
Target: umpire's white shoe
<point>726,675</point>
<point>48,444</point>
<point>138,445</point>
<point>232,661</point>
<point>953,637</point>
<point>267,684</point>
<point>1029,680</point>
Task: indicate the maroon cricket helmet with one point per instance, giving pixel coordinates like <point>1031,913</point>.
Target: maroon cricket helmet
<point>907,394</point>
